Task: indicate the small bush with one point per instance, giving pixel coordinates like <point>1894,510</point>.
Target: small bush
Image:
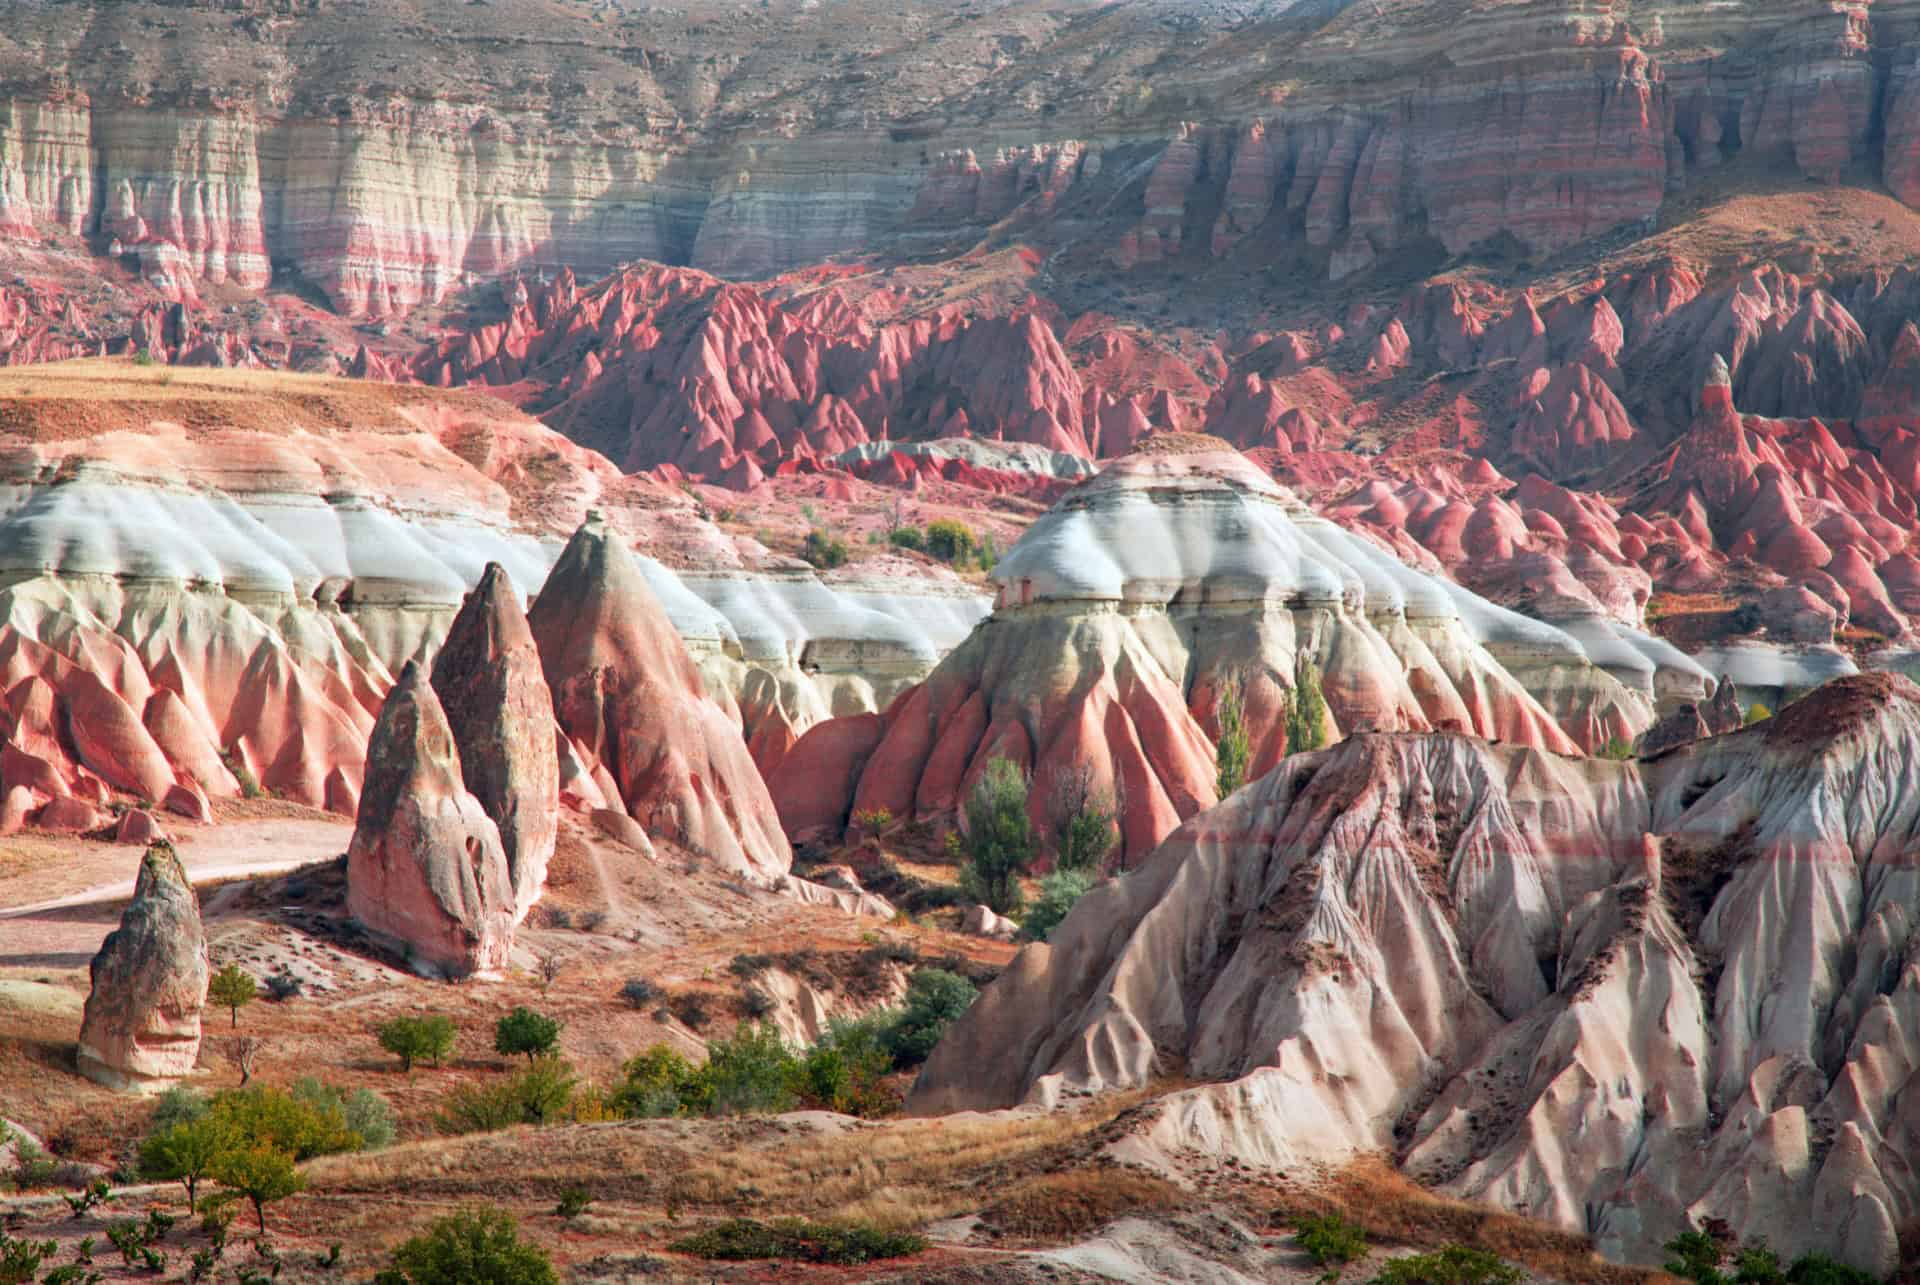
<point>951,541</point>
<point>541,1094</point>
<point>1058,893</point>
<point>1449,1265</point>
<point>1818,1269</point>
<point>638,992</point>
<point>755,1003</point>
<point>908,537</point>
<point>474,1245</point>
<point>1695,1256</point>
<point>144,357</point>
<point>752,1072</point>
<point>264,1116</point>
<point>689,1008</point>
<point>1758,713</point>
<point>659,1082</point>
<point>1233,752</point>
<point>999,838</point>
<point>418,1039</point>
<point>367,1115</point>
<point>1330,1240</point>
<point>1617,748</point>
<point>177,1105</point>
<point>573,1203</point>
<point>824,550</point>
<point>525,1031</point>
<point>846,1070</point>
<point>283,986</point>
<point>935,997</point>
<point>873,820</point>
<point>249,783</point>
<point>744,1239</point>
<point>20,1259</point>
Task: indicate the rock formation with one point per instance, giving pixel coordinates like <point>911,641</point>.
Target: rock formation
<point>1123,610</point>
<point>425,869</point>
<point>1465,954</point>
<point>488,678</point>
<point>639,729</point>
<point>141,1028</point>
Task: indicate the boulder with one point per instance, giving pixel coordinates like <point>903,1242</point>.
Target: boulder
<point>141,1027</point>
<point>138,826</point>
<point>628,698</point>
<point>425,868</point>
<point>489,681</point>
<point>983,922</point>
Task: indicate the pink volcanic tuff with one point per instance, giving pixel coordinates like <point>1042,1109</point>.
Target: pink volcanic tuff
<point>425,868</point>
<point>626,692</point>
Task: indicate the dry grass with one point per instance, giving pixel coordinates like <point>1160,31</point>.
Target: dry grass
<point>100,394</point>
<point>1074,1203</point>
<point>1393,1208</point>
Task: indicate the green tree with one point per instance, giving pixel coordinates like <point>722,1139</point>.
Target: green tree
<point>1058,893</point>
<point>658,1082</point>
<point>233,988</point>
<point>185,1153</point>
<point>1233,752</point>
<point>417,1039</point>
<point>365,1112</point>
<point>935,997</point>
<point>1307,709</point>
<point>1695,1256</point>
<point>473,1247</point>
<point>525,1031</point>
<point>541,1094</point>
<point>951,541</point>
<point>261,1172</point>
<point>999,841</point>
<point>751,1073</point>
<point>1082,818</point>
<point>265,1116</point>
<point>847,1067</point>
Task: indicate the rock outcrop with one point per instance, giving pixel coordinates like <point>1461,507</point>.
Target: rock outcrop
<point>488,678</point>
<point>1464,954</point>
<point>1125,608</point>
<point>426,870</point>
<point>640,733</point>
<point>141,1027</point>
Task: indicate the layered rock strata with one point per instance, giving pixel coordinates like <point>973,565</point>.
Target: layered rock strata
<point>1465,954</point>
<point>1123,611</point>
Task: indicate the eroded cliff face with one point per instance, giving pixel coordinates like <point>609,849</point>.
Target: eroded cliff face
<point>389,157</point>
<point>1470,955</point>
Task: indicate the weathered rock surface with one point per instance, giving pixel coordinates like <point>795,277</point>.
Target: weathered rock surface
<point>1466,954</point>
<point>487,675</point>
<point>426,869</point>
<point>141,1027</point>
<point>1122,611</point>
<point>629,700</point>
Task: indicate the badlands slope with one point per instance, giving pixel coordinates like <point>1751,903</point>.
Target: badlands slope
<point>212,577</point>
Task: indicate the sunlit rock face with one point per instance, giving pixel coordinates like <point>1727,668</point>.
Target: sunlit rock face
<point>141,1028</point>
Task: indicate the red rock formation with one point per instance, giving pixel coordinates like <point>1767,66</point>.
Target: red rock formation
<point>630,702</point>
<point>488,677</point>
<point>425,869</point>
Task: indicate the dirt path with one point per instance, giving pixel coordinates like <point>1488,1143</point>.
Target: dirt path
<point>59,900</point>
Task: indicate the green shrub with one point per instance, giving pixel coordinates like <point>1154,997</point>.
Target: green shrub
<point>232,988</point>
<point>417,1039</point>
<point>989,556</point>
<point>660,1082</point>
<point>177,1105</point>
<point>20,1259</point>
<point>474,1247</point>
<point>742,1239</point>
<point>824,550</point>
<point>1233,752</point>
<point>525,1031</point>
<point>639,992</point>
<point>1617,748</point>
<point>263,1116</point>
<point>1756,1264</point>
<point>1306,709</point>
<point>908,537</point>
<point>999,838</point>
<point>1448,1265</point>
<point>1695,1256</point>
<point>1058,893</point>
<point>366,1112</point>
<point>540,1094</point>
<point>1818,1269</point>
<point>846,1069</point>
<point>951,541</point>
<point>1082,819</point>
<point>573,1203</point>
<point>750,1073</point>
<point>144,357</point>
<point>935,997</point>
<point>1757,713</point>
<point>1330,1240</point>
